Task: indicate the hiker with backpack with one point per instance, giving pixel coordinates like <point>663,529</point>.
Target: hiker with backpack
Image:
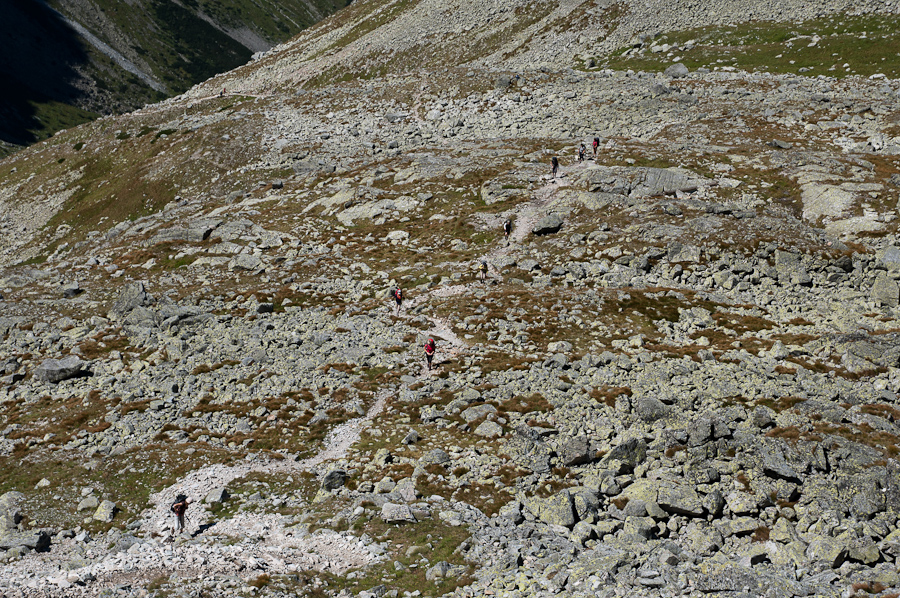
<point>554,161</point>
<point>483,270</point>
<point>397,294</point>
<point>430,349</point>
<point>507,229</point>
<point>596,145</point>
<point>581,152</point>
<point>179,507</point>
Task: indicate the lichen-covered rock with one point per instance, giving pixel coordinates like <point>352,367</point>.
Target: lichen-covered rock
<point>106,512</point>
<point>555,510</point>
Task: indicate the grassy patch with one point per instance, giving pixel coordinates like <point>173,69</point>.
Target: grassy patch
<point>865,44</point>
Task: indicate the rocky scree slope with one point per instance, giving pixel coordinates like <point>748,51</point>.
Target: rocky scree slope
<point>680,377</point>
<point>371,37</point>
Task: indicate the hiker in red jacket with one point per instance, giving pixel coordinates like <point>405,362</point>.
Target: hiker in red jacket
<point>429,352</point>
<point>595,145</point>
<point>397,294</point>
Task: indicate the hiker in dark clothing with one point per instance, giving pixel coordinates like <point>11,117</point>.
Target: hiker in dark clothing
<point>555,162</point>
<point>430,348</point>
<point>507,229</point>
<point>397,294</point>
<point>483,270</point>
<point>581,152</point>
<point>179,507</point>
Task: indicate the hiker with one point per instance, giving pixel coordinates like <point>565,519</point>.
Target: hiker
<point>483,270</point>
<point>596,145</point>
<point>429,352</point>
<point>179,507</point>
<point>507,229</point>
<point>581,151</point>
<point>555,162</point>
<point>397,294</point>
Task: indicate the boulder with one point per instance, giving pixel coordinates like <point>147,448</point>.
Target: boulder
<point>774,464</point>
<point>37,540</point>
<point>438,571</point>
<point>10,516</point>
<point>824,549</point>
<point>642,181</point>
<point>631,453</point>
<point>106,512</point>
<point>548,225</point>
<point>575,451</point>
<point>676,71</point>
<point>885,290</point>
<point>650,408</point>
<point>434,456</point>
<point>57,370</point>
<point>558,509</point>
<point>245,261</point>
<point>477,412</point>
<point>394,513</point>
<point>132,296</point>
<point>334,479</point>
<point>489,429</point>
<point>217,496</point>
<point>681,500</point>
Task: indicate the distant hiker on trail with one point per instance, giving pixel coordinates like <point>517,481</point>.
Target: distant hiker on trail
<point>581,151</point>
<point>596,145</point>
<point>397,294</point>
<point>483,270</point>
<point>555,162</point>
<point>179,507</point>
<point>429,352</point>
<point>507,229</point>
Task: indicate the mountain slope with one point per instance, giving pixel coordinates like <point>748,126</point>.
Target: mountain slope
<point>373,37</point>
<point>677,374</point>
<point>67,59</point>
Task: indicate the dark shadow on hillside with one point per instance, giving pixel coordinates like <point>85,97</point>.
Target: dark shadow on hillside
<point>40,57</point>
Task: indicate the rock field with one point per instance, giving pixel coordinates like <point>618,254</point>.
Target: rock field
<point>679,377</point>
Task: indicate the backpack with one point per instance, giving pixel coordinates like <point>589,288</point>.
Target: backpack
<point>507,226</point>
<point>178,500</point>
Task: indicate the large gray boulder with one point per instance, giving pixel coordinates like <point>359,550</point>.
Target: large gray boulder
<point>334,479</point>
<point>641,181</point>
<point>396,513</point>
<point>650,408</point>
<point>245,261</point>
<point>10,516</point>
<point>558,509</point>
<point>217,496</point>
<point>132,296</point>
<point>548,225</point>
<point>37,540</point>
<point>680,500</point>
<point>57,370</point>
<point>575,451</point>
<point>775,465</point>
<point>632,453</point>
<point>676,71</point>
<point>194,233</point>
<point>885,290</point>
